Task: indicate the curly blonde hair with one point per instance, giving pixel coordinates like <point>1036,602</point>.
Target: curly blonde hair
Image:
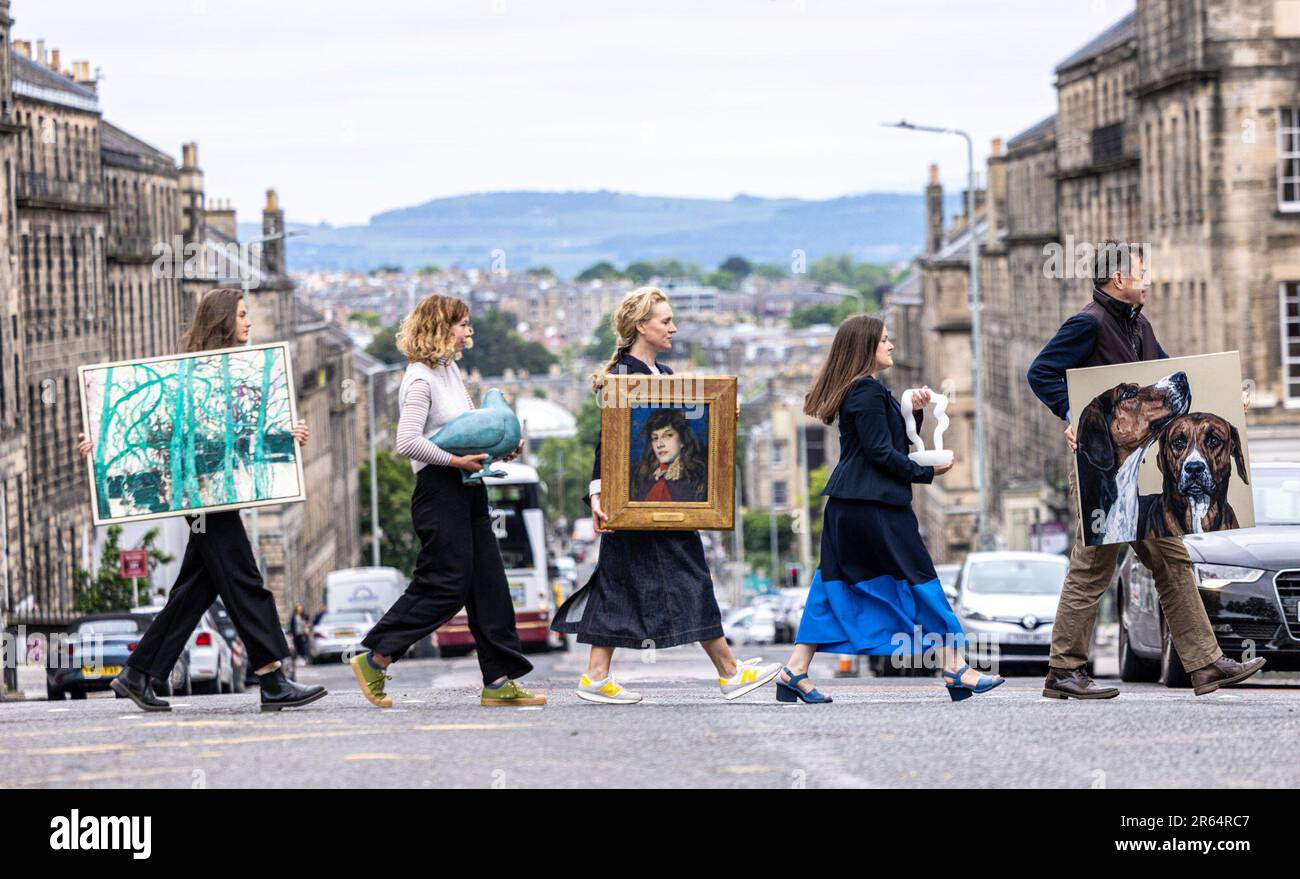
<point>635,309</point>
<point>426,334</point>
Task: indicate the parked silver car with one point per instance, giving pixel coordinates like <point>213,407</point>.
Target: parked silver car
<point>1006,602</point>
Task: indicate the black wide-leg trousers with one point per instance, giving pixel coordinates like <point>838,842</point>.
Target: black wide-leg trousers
<point>218,561</point>
<point>459,566</point>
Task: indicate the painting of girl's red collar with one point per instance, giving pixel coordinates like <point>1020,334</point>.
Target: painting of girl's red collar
<point>669,457</point>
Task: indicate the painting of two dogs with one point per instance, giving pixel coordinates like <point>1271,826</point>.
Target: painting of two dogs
<point>1195,455</point>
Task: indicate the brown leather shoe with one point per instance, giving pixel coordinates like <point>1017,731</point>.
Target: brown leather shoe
<point>1074,683</point>
<point>1223,673</point>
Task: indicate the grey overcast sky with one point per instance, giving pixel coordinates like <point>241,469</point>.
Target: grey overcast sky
<point>352,108</point>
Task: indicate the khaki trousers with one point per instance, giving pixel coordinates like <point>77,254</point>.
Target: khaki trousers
<point>1091,569</point>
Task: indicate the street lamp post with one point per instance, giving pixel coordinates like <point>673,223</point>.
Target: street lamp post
<point>977,371</point>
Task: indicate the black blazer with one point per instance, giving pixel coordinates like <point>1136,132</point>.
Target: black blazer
<point>626,364</point>
<point>873,448</point>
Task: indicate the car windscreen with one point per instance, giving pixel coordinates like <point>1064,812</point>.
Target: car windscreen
<point>1277,496</point>
<point>1016,577</point>
<point>108,627</point>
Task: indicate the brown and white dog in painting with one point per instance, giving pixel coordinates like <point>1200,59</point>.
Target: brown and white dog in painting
<point>1197,452</point>
<point>1115,430</point>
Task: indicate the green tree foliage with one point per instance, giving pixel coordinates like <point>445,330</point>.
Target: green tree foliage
<point>601,271</point>
<point>603,345</point>
<point>737,266</point>
<point>497,347</point>
<point>821,313</point>
<point>722,279</point>
<point>865,277</point>
<point>589,425</point>
<point>639,272</point>
<point>384,346</point>
<point>369,318</point>
<point>758,541</point>
<point>107,590</point>
<point>431,269</point>
<point>398,545</point>
<point>771,272</point>
<point>564,467</point>
<point>386,269</point>
<point>541,272</point>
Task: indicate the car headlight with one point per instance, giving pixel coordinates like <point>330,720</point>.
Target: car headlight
<point>1218,576</point>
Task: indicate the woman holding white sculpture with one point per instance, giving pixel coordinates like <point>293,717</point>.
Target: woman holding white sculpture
<point>875,590</point>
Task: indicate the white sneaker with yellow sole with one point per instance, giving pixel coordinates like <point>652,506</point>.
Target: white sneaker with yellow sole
<point>607,691</point>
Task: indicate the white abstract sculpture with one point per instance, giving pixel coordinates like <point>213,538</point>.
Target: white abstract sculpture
<point>938,456</point>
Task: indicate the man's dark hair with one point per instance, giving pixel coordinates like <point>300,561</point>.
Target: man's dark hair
<point>1112,257</point>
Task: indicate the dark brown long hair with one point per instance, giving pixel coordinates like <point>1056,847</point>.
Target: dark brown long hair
<point>214,321</point>
<point>852,356</point>
<point>695,459</point>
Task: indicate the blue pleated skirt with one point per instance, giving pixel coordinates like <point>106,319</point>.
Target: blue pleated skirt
<point>875,590</point>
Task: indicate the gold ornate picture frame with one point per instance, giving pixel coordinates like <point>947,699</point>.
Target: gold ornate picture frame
<point>668,452</point>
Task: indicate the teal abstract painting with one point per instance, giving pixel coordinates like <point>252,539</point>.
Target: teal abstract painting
<point>191,433</point>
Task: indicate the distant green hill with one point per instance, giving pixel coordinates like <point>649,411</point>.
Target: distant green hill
<point>569,231</point>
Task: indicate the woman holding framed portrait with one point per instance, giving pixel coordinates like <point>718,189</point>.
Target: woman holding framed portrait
<point>875,591</point>
<point>651,589</point>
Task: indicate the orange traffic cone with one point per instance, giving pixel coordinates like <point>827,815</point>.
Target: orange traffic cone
<point>848,667</point>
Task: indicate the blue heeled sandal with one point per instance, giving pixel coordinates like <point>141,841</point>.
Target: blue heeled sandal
<point>790,692</point>
<point>958,691</point>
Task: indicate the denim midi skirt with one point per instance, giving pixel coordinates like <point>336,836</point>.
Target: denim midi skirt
<point>650,589</point>
<point>875,590</point>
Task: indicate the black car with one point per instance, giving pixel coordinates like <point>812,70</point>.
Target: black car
<point>1249,581</point>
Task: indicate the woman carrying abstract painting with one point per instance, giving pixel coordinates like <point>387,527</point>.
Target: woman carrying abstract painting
<point>218,562</point>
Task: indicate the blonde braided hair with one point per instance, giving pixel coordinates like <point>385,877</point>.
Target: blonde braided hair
<point>635,309</point>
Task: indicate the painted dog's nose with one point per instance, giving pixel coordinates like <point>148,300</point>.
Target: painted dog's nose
<point>1194,468</point>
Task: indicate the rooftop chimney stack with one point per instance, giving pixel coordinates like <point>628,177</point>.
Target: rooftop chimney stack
<point>40,52</point>
<point>23,47</point>
<point>54,61</point>
<point>933,213</point>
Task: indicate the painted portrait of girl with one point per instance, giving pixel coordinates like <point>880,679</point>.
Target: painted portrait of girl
<point>674,463</point>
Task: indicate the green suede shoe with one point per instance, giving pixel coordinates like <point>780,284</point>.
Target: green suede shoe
<point>371,680</point>
<point>508,695</point>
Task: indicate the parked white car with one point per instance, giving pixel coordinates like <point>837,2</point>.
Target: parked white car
<point>212,665</point>
<point>1006,602</point>
<point>755,624</point>
<point>338,633</point>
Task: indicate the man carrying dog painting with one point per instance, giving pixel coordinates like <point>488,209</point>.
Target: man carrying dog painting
<point>1112,329</point>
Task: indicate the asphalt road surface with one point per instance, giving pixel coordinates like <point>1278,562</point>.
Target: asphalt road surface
<point>880,732</point>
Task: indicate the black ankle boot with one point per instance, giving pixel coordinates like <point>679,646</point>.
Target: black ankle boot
<point>136,686</point>
<point>280,692</point>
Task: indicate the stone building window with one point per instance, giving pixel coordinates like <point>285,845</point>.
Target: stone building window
<point>1290,295</point>
<point>779,495</point>
<point>1288,159</point>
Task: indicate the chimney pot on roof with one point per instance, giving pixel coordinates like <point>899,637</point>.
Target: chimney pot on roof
<point>54,60</point>
<point>272,201</point>
<point>190,155</point>
<point>934,174</point>
<point>23,47</point>
<point>40,52</point>
<point>997,146</point>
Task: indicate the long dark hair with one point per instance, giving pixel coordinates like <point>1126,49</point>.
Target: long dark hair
<point>852,356</point>
<point>694,458</point>
<point>214,321</point>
